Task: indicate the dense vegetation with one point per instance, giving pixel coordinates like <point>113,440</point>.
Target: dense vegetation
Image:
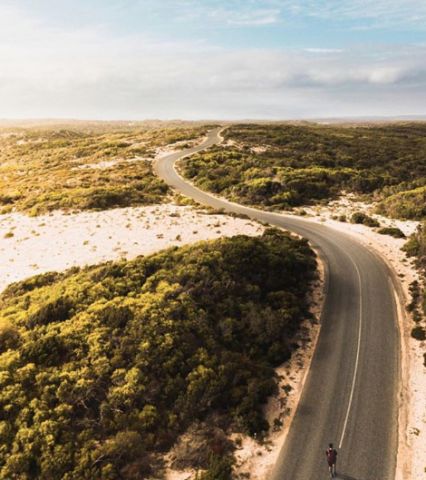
<point>416,247</point>
<point>283,165</point>
<point>102,368</point>
<point>83,166</point>
<point>410,204</point>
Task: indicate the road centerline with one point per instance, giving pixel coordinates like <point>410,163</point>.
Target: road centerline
<point>345,424</point>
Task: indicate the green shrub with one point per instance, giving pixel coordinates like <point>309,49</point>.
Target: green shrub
<point>409,205</point>
<point>9,336</point>
<point>419,333</point>
<point>412,246</point>
<point>416,244</point>
<point>362,218</point>
<point>220,468</point>
<point>56,310</point>
<point>32,283</point>
<point>392,231</point>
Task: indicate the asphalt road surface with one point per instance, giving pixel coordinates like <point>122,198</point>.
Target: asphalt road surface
<point>350,394</point>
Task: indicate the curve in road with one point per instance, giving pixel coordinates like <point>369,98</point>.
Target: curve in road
<point>350,393</point>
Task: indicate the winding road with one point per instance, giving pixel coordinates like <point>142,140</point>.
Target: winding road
<point>351,390</point>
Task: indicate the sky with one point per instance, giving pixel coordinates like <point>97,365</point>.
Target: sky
<point>212,59</point>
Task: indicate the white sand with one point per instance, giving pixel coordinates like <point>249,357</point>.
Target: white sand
<point>412,421</point>
<point>179,475</point>
<point>161,152</point>
<point>59,241</point>
<point>104,165</point>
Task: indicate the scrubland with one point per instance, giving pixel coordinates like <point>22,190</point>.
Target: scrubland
<point>106,368</point>
<point>286,166</point>
<point>103,367</point>
<point>81,166</point>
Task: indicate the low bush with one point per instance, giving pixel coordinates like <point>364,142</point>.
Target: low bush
<point>364,219</point>
<point>416,244</point>
<point>220,468</point>
<point>416,247</point>
<point>419,333</point>
<point>409,205</point>
<point>392,231</point>
<point>9,336</point>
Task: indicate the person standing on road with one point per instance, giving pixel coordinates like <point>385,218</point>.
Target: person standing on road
<point>331,455</point>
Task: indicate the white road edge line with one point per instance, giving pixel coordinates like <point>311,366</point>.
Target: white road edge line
<point>357,354</point>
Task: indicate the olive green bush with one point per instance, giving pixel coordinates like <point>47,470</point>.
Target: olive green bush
<point>101,369</point>
<point>392,231</point>
<point>285,166</point>
<point>364,219</point>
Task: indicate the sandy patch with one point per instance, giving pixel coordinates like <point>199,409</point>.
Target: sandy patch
<point>179,475</point>
<point>161,152</point>
<point>55,242</point>
<point>412,452</point>
<point>22,141</point>
<point>106,164</point>
<point>260,149</point>
<point>97,166</point>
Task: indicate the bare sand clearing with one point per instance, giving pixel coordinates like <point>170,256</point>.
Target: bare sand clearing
<point>412,434</point>
<point>179,475</point>
<point>161,152</point>
<point>55,242</point>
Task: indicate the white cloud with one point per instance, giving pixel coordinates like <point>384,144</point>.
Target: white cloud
<point>381,13</point>
<point>234,14</point>
<point>323,50</point>
<point>364,13</point>
<point>252,17</point>
<point>45,71</point>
